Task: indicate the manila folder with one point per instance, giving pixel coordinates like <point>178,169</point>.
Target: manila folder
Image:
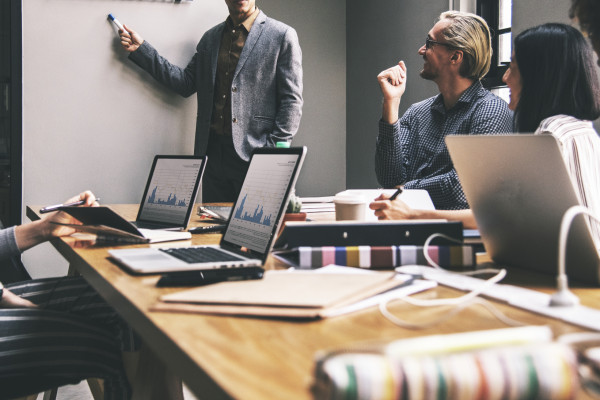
<point>287,294</point>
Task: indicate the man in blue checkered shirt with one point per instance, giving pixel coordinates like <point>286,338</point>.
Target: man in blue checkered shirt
<point>411,150</point>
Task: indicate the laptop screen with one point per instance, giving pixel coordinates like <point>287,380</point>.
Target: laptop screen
<point>171,189</point>
<point>263,198</point>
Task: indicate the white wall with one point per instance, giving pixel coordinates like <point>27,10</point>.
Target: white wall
<point>92,119</point>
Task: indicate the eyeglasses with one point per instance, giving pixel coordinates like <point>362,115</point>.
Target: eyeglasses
<point>429,43</point>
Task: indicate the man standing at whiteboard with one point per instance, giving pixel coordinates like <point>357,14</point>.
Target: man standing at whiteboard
<point>247,75</point>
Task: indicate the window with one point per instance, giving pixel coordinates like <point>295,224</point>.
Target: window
<point>498,14</point>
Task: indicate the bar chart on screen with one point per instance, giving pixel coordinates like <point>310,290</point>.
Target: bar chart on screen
<point>171,188</point>
<point>261,199</point>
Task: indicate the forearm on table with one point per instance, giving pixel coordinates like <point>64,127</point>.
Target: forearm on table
<point>465,216</point>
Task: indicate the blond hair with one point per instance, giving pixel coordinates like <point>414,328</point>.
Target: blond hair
<point>471,34</point>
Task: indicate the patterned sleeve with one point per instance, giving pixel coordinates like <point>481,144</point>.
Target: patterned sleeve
<point>445,191</point>
<point>391,159</point>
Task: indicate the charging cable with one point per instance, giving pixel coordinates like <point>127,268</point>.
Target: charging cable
<point>457,303</point>
<point>564,297</point>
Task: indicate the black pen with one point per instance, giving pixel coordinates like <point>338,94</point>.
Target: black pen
<point>396,194</point>
<point>57,206</point>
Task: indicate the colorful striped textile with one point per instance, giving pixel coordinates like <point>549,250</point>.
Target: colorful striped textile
<point>531,371</point>
<point>382,257</point>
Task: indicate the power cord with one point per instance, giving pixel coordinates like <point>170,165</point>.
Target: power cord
<point>564,297</point>
<point>457,303</point>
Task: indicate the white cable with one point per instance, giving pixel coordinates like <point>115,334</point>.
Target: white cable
<point>456,309</point>
<point>437,266</point>
<point>459,303</point>
<point>454,301</point>
<point>564,297</point>
<point>426,248</point>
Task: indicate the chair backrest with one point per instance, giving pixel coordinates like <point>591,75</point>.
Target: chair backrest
<point>12,269</point>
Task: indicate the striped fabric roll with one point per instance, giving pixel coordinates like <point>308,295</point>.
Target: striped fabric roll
<point>382,257</point>
<point>532,371</point>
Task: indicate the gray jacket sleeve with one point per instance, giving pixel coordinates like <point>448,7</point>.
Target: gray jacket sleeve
<point>8,243</point>
<point>180,80</point>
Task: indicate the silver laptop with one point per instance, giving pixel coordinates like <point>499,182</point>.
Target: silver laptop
<point>170,193</point>
<point>251,229</point>
<point>519,188</point>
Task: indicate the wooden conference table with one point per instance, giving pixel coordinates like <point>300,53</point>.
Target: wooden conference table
<point>251,358</point>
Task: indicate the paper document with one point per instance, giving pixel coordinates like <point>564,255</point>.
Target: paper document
<point>415,198</point>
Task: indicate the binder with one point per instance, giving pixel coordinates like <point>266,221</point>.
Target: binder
<point>378,257</point>
<point>367,233</point>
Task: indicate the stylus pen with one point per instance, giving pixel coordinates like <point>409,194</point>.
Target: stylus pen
<point>57,206</point>
<point>396,194</point>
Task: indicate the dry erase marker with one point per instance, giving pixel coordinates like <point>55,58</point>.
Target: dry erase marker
<point>57,206</point>
<point>116,22</point>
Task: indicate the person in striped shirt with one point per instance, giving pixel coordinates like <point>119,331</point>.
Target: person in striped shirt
<point>57,331</point>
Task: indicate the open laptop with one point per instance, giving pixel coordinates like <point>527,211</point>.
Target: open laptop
<point>251,229</point>
<point>170,193</point>
<point>519,188</point>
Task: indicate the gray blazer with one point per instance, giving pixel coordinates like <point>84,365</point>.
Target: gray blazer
<point>266,97</point>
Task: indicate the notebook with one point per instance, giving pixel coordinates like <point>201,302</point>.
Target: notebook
<point>283,294</point>
<point>519,188</point>
<point>251,229</point>
<point>170,193</point>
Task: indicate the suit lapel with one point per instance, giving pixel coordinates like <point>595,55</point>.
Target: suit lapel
<point>253,36</point>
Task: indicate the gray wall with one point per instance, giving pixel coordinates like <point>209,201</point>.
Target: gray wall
<point>380,33</point>
<point>530,13</point>
<point>92,119</point>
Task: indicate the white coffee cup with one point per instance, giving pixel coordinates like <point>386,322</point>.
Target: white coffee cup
<point>350,207</point>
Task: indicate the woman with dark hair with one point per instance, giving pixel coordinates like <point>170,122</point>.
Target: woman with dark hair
<point>554,90</point>
<point>557,76</point>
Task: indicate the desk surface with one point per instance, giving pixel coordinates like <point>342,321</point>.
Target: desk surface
<point>221,357</point>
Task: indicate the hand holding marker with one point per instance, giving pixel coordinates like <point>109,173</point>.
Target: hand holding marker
<point>130,40</point>
<point>116,22</point>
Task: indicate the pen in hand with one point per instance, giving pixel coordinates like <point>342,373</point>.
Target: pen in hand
<point>396,194</point>
<point>57,206</point>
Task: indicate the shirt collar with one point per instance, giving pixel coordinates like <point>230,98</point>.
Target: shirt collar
<point>467,97</point>
<point>247,23</point>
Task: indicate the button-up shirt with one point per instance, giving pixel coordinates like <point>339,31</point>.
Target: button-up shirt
<point>412,152</point>
<point>232,44</point>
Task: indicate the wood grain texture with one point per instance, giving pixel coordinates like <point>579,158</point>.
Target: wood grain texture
<point>236,357</point>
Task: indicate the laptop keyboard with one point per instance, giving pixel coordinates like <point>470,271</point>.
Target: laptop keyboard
<point>192,255</point>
